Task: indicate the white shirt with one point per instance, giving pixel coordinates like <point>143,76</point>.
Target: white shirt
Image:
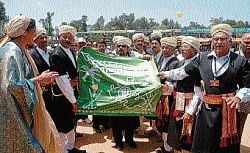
<point>240,52</point>
<point>195,102</point>
<point>221,63</point>
<point>179,73</point>
<point>45,54</point>
<point>63,81</point>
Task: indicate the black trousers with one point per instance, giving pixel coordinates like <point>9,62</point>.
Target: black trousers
<point>117,134</point>
<point>101,120</point>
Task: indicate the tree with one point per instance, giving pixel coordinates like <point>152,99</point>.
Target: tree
<point>215,21</point>
<point>170,24</point>
<point>115,24</point>
<point>99,25</point>
<point>84,20</point>
<point>81,24</point>
<point>121,22</point>
<point>64,23</point>
<point>141,23</point>
<point>47,23</point>
<point>152,23</point>
<point>231,22</point>
<point>3,17</point>
<point>130,21</point>
<point>165,22</point>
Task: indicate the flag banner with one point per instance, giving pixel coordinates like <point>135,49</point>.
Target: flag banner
<point>117,86</point>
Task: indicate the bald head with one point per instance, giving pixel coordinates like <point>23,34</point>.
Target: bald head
<point>245,44</point>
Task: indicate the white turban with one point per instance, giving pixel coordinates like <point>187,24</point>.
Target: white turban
<point>226,28</point>
<point>39,31</point>
<point>81,39</point>
<point>156,34</point>
<point>115,38</point>
<point>146,39</point>
<point>15,28</point>
<point>137,36</point>
<point>124,41</point>
<point>179,38</point>
<point>67,29</point>
<point>192,41</point>
<point>169,41</point>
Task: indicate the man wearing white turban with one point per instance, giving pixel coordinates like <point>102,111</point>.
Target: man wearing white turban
<point>41,56</point>
<point>25,124</point>
<point>65,91</point>
<point>225,80</point>
<point>178,138</point>
<point>128,124</point>
<point>138,42</point>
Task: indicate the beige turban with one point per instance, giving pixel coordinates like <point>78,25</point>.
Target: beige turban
<point>39,31</point>
<point>15,28</point>
<point>169,41</point>
<point>137,36</point>
<point>124,41</point>
<point>76,39</point>
<point>115,38</point>
<point>192,41</point>
<point>179,38</point>
<point>226,28</point>
<point>146,39</point>
<point>156,34</point>
<point>67,29</point>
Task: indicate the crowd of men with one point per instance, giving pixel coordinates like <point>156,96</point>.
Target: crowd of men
<point>201,91</point>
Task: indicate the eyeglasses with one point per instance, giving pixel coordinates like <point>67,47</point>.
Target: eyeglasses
<point>123,46</point>
<point>220,38</point>
<point>185,46</point>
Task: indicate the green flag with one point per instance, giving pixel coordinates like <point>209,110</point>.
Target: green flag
<point>117,85</point>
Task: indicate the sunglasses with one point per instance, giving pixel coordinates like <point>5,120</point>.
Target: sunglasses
<point>123,46</point>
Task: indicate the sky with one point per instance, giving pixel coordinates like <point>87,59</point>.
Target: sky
<point>200,11</point>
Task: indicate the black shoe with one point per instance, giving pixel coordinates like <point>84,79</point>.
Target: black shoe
<point>132,144</point>
<point>120,146</point>
<point>79,135</point>
<point>162,150</point>
<point>75,150</point>
<point>98,130</point>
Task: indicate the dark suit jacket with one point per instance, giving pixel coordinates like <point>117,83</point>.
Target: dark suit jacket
<point>171,64</point>
<point>40,62</point>
<point>64,117</point>
<point>42,65</point>
<point>61,63</point>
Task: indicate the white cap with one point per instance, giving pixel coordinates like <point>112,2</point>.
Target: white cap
<point>81,39</point>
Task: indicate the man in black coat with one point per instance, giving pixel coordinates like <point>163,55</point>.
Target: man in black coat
<point>65,91</point>
<point>222,72</point>
<point>41,55</point>
<point>128,124</point>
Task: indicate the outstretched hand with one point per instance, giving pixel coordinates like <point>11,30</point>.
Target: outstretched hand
<point>162,75</point>
<point>47,77</point>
